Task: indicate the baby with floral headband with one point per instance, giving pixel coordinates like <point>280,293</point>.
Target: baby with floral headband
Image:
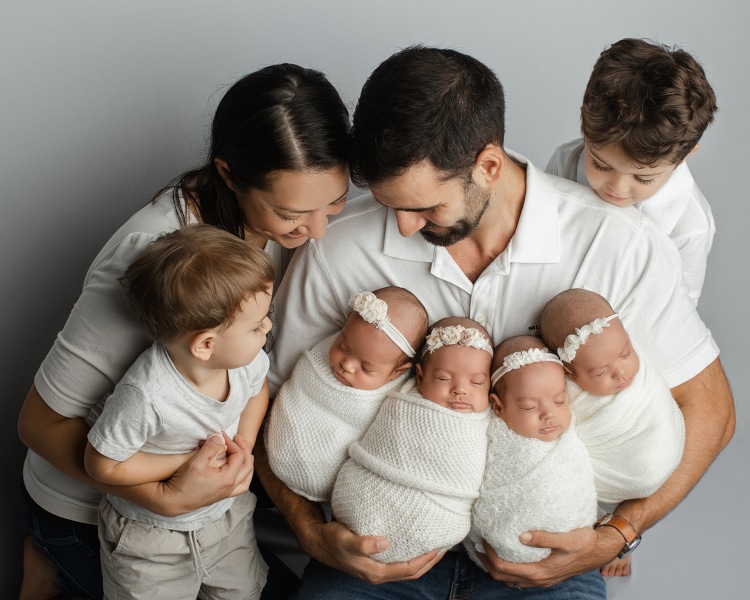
<point>538,473</point>
<point>625,413</point>
<point>415,473</point>
<point>339,386</point>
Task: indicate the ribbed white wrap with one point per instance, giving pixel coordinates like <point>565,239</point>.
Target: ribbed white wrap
<point>635,438</point>
<point>413,476</point>
<point>530,484</point>
<point>313,420</point>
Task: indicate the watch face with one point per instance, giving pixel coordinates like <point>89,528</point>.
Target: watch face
<point>629,547</point>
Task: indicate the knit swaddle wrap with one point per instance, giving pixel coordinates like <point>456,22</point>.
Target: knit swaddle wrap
<point>413,476</point>
<point>530,484</point>
<point>635,438</point>
<point>313,420</point>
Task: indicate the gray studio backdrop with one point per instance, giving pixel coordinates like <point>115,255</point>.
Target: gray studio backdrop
<point>103,102</point>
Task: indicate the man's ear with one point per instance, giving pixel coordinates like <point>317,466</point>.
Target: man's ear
<point>497,407</point>
<point>202,344</point>
<point>399,370</point>
<point>489,164</point>
<point>225,172</point>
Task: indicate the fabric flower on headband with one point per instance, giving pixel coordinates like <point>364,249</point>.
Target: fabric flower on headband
<point>456,335</point>
<point>516,360</point>
<point>575,340</point>
<point>375,311</point>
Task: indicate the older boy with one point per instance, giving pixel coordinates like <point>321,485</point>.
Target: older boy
<point>644,110</point>
<point>498,237</point>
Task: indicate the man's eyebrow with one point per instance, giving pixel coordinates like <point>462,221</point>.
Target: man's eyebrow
<point>303,212</point>
<point>415,210</point>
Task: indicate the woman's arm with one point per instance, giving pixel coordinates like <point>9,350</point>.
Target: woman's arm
<point>61,441</point>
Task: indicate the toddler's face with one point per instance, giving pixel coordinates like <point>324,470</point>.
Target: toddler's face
<point>534,401</point>
<point>363,357</point>
<point>616,180</point>
<point>456,377</point>
<point>606,363</point>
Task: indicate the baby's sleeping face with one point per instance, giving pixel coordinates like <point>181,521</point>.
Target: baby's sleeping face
<point>606,363</point>
<point>533,401</point>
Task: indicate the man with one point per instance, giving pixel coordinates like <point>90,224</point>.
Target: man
<point>497,239</point>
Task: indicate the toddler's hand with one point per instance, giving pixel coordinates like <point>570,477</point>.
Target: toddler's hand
<point>221,458</point>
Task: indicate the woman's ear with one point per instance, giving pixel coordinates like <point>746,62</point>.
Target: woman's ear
<point>202,344</point>
<point>225,173</point>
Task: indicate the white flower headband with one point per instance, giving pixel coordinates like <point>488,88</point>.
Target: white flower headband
<point>516,360</point>
<point>374,310</point>
<point>458,335</point>
<point>575,340</point>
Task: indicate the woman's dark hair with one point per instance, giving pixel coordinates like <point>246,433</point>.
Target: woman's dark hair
<point>425,104</point>
<point>282,117</point>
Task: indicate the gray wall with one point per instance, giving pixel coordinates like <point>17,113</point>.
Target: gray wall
<point>102,103</point>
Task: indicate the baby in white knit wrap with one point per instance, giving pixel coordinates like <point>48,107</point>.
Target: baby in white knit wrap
<point>416,472</point>
<point>625,413</point>
<point>337,388</point>
<point>538,474</point>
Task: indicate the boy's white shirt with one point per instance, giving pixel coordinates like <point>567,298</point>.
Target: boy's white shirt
<point>678,208</point>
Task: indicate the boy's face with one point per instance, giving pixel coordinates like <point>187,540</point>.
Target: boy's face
<point>363,357</point>
<point>606,363</point>
<point>620,182</point>
<point>239,344</point>
<point>456,377</point>
<point>534,401</point>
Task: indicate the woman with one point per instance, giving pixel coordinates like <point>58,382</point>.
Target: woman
<point>276,170</point>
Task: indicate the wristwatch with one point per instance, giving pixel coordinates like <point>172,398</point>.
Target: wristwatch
<point>627,531</point>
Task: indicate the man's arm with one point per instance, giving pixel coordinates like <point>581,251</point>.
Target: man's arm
<point>331,543</point>
<point>708,409</point>
<point>62,441</point>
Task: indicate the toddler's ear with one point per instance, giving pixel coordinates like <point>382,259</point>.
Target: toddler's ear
<point>202,344</point>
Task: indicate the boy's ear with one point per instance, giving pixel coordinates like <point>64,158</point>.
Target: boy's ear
<point>397,372</point>
<point>202,344</point>
<point>694,150</point>
<point>489,164</point>
<point>497,407</point>
<point>225,172</point>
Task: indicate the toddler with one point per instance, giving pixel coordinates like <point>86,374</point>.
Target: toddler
<point>645,108</point>
<point>625,413</point>
<point>538,474</point>
<point>203,296</point>
<point>338,387</point>
<point>415,473</point>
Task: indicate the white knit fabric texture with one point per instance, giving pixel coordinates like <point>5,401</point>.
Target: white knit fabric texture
<point>635,438</point>
<point>413,476</point>
<point>313,420</point>
<point>530,484</point>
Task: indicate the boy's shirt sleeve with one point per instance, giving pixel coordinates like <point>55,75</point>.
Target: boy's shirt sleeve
<point>128,419</point>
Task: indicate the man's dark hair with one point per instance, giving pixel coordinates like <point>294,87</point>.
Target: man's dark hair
<point>425,104</point>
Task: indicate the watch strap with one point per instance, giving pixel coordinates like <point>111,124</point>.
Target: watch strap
<point>625,528</point>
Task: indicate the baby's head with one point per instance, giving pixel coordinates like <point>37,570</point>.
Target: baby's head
<point>528,389</point>
<point>589,337</point>
<point>454,370</point>
<point>206,290</point>
<point>379,338</point>
<point>645,108</point>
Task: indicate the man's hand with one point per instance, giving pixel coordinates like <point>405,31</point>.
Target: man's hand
<point>341,549</point>
<point>573,553</point>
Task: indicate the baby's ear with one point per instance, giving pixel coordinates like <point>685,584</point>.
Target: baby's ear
<point>497,407</point>
<point>419,374</point>
<point>569,371</point>
<point>399,370</point>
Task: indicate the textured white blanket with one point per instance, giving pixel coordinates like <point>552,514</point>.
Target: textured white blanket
<point>313,420</point>
<point>413,476</point>
<point>635,438</point>
<point>530,484</point>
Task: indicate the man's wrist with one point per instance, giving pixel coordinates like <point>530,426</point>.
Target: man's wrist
<point>625,528</point>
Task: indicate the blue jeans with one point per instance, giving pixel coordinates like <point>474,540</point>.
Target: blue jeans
<point>455,577</point>
<point>71,546</point>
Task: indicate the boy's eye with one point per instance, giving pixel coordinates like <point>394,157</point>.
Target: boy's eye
<point>644,181</point>
<point>288,219</point>
<point>599,167</point>
<point>340,202</point>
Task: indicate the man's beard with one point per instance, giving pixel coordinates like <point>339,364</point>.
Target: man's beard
<point>477,200</point>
